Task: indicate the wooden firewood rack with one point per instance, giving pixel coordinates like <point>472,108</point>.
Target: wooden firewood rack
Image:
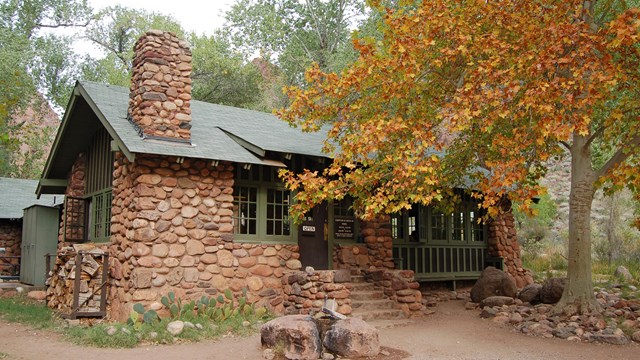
<point>75,313</point>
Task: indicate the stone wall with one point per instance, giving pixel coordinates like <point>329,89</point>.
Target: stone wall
<point>377,238</point>
<point>503,243</point>
<point>172,231</point>
<point>305,291</point>
<point>351,256</point>
<point>161,86</point>
<point>75,188</point>
<point>399,286</point>
<point>10,240</point>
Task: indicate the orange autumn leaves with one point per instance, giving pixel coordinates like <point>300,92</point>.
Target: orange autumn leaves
<point>467,94</point>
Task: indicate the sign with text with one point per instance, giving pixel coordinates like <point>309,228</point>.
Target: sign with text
<point>344,227</point>
<point>308,229</point>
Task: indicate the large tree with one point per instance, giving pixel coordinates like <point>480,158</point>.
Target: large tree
<point>33,61</point>
<point>482,91</point>
<point>115,33</point>
<point>292,34</point>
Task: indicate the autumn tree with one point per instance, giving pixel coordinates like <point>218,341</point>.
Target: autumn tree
<point>485,92</point>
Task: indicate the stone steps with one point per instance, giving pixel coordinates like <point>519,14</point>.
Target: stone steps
<point>376,315</point>
<point>373,304</point>
<point>370,304</point>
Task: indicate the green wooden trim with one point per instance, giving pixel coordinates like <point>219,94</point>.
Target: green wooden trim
<point>245,144</point>
<point>103,120</point>
<point>56,142</point>
<point>441,262</point>
<point>57,183</point>
<point>240,240</point>
<point>100,217</point>
<point>262,188</point>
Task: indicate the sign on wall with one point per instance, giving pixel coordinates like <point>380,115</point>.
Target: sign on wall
<point>344,227</point>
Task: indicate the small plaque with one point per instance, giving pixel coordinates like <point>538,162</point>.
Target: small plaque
<point>344,227</point>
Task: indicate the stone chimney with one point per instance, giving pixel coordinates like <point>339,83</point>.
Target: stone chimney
<point>160,94</point>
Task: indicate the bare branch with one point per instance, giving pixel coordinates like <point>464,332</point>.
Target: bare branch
<point>61,25</point>
<point>565,144</point>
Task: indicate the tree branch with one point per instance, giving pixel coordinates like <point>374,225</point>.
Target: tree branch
<point>593,136</point>
<point>565,144</point>
<point>621,155</point>
<point>55,26</point>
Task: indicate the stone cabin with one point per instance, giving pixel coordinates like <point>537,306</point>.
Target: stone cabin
<point>184,196</point>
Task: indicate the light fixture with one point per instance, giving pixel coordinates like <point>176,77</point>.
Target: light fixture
<point>246,166</point>
<point>180,159</point>
<point>287,156</point>
<point>214,163</point>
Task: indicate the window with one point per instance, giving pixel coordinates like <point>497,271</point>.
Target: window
<point>245,205</point>
<point>100,216</point>
<point>261,205</point>
<point>429,225</point>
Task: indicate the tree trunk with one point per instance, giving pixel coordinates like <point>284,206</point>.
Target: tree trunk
<point>578,297</point>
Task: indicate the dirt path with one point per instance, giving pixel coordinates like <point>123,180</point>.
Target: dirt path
<point>450,333</point>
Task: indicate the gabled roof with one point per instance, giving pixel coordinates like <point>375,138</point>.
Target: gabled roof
<point>19,194</point>
<point>218,132</point>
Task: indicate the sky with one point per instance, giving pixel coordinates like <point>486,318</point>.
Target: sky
<point>201,16</point>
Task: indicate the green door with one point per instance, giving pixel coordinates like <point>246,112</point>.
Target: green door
<point>39,237</point>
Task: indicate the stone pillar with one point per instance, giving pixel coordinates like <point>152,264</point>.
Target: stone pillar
<point>75,188</point>
<point>377,237</point>
<point>159,103</point>
<point>503,243</point>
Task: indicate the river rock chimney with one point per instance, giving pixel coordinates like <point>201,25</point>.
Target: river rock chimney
<point>160,93</point>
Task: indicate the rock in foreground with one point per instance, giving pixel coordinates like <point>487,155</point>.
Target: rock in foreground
<point>352,337</point>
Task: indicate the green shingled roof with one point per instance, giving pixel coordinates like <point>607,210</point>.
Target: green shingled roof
<point>213,130</point>
<point>19,194</point>
<point>218,132</point>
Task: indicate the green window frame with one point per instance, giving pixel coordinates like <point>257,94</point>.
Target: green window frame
<point>261,206</point>
<point>99,205</point>
<point>459,227</point>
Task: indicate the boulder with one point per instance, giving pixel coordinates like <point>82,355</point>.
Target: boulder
<point>551,290</point>
<point>497,301</point>
<point>530,294</point>
<point>623,273</point>
<point>38,295</point>
<point>175,328</point>
<point>493,282</point>
<point>352,337</point>
<point>297,334</point>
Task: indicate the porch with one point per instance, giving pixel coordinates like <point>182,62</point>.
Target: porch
<point>431,262</point>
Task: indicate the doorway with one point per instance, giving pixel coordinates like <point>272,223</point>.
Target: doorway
<point>313,238</point>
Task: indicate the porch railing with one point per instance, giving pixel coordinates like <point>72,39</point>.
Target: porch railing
<point>442,262</point>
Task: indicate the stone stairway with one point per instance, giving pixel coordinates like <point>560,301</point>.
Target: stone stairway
<point>370,304</point>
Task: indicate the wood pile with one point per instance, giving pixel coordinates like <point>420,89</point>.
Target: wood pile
<point>62,279</point>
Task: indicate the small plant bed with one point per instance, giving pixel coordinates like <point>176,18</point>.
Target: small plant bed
<point>206,318</point>
<point>618,324</point>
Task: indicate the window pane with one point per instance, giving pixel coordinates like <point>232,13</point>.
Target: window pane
<point>244,210</point>
<point>438,226</point>
<point>457,221</point>
<point>277,212</point>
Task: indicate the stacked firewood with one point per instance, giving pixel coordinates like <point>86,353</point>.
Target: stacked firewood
<point>62,279</point>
